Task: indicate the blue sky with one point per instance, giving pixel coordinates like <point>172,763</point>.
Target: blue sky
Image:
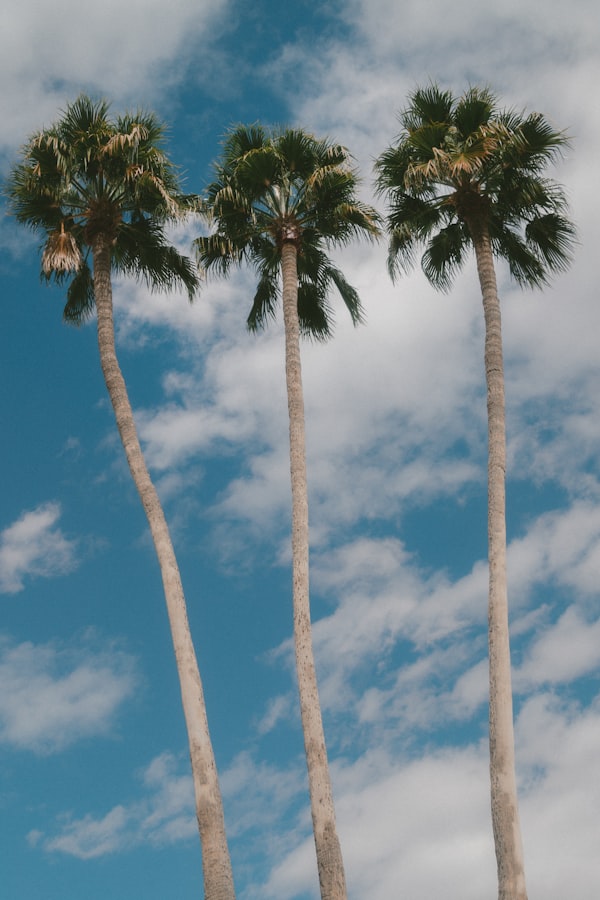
<point>95,792</point>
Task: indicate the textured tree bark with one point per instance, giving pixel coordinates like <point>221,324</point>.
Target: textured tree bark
<point>332,879</point>
<point>218,877</point>
<point>505,810</point>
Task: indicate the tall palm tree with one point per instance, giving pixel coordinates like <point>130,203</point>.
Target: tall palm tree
<point>464,174</point>
<point>280,200</point>
<point>102,191</point>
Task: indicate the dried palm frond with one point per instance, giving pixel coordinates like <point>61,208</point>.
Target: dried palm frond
<point>61,253</point>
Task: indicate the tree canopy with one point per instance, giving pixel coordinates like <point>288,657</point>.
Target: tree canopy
<point>280,186</point>
<point>90,174</point>
<point>462,162</point>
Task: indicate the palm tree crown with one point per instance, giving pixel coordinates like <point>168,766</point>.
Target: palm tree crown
<point>90,175</point>
<point>460,164</point>
<point>285,187</point>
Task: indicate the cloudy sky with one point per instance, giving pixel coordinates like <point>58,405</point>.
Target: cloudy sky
<point>95,793</point>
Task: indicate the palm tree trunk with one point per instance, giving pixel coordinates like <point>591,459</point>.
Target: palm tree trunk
<point>330,864</point>
<point>505,810</point>
<point>218,877</point>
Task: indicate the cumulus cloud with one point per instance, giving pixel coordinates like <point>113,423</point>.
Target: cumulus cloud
<point>45,60</point>
<point>385,428</point>
<point>562,652</point>
<point>54,695</point>
<point>34,546</point>
<point>164,814</point>
<point>561,546</point>
<point>419,638</point>
<point>397,814</point>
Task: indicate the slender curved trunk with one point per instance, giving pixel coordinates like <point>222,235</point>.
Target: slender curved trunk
<point>330,864</point>
<point>505,810</point>
<point>218,877</point>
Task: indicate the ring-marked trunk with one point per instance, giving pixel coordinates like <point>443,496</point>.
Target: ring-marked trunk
<point>218,877</point>
<point>329,854</point>
<point>505,811</point>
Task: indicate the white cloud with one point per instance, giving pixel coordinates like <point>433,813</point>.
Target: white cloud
<point>54,696</point>
<point>561,653</point>
<point>164,814</point>
<point>89,838</point>
<point>169,814</point>
<point>257,795</point>
<point>557,748</point>
<point>34,546</point>
<point>397,815</point>
<point>279,709</point>
<point>370,394</point>
<point>47,58</point>
<point>562,546</point>
<point>422,635</point>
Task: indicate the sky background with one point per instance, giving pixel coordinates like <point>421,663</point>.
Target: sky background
<point>95,793</point>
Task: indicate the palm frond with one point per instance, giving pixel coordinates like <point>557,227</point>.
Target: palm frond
<point>411,222</point>
<point>445,255</point>
<point>473,111</point>
<point>240,140</point>
<point>314,312</point>
<point>142,250</point>
<point>80,303</point>
<point>264,304</point>
<point>552,236</point>
<point>61,253</point>
<point>217,253</point>
<point>402,251</point>
<point>348,294</point>
<point>427,106</point>
<point>524,264</point>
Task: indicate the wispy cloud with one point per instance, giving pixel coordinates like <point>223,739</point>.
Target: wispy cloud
<point>88,838</point>
<point>257,797</point>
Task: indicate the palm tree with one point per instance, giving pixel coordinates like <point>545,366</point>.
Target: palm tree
<point>280,200</point>
<point>101,192</point>
<point>464,174</point>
